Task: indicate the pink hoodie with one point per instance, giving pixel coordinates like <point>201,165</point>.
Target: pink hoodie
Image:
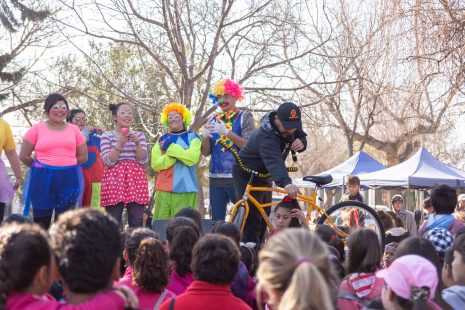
<point>23,301</point>
<point>147,300</point>
<point>178,284</point>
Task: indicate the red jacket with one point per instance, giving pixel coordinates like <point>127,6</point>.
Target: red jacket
<point>207,296</point>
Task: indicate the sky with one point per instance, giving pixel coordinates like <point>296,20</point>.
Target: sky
<point>457,137</point>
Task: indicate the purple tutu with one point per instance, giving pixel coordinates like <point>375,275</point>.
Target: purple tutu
<point>6,188</point>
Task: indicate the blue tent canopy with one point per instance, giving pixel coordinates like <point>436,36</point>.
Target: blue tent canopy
<point>422,170</point>
<point>359,163</point>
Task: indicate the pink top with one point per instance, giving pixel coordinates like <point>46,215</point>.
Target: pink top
<point>55,147</point>
<point>22,301</point>
<point>147,300</point>
<point>369,288</point>
<point>178,284</point>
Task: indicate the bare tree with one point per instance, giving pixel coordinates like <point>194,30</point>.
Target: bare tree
<point>379,96</point>
<point>194,43</point>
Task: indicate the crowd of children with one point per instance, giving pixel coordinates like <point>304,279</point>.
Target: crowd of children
<point>85,262</point>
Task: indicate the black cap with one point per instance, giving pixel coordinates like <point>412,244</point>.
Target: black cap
<point>289,115</point>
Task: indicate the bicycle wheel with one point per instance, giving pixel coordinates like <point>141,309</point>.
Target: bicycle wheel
<point>239,217</point>
<point>350,215</point>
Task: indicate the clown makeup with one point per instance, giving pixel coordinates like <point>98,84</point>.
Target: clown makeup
<point>124,117</point>
<point>227,102</point>
<point>58,112</point>
<point>80,120</point>
<point>175,122</point>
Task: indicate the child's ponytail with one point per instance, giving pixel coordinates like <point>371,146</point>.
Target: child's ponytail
<point>181,248</point>
<point>419,296</point>
<point>418,299</point>
<point>306,279</point>
<point>295,264</point>
<point>150,268</point>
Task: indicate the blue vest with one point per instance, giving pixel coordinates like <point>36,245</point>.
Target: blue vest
<point>222,160</point>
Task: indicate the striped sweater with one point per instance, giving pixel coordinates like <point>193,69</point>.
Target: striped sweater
<point>110,140</point>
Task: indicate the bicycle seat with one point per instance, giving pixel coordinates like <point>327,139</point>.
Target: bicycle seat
<point>319,180</point>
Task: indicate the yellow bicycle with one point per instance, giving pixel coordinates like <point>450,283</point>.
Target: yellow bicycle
<point>343,217</point>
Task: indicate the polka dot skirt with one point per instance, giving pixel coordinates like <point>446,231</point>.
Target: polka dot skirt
<point>126,182</point>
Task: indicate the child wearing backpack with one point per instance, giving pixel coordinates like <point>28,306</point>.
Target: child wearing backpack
<point>444,200</point>
<point>361,286</point>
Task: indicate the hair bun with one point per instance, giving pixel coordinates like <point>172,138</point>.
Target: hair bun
<point>112,107</point>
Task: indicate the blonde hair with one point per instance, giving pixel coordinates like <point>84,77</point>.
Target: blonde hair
<point>295,263</point>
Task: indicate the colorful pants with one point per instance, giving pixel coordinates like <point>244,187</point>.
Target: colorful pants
<point>167,204</point>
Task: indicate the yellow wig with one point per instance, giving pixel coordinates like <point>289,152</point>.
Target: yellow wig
<point>178,108</point>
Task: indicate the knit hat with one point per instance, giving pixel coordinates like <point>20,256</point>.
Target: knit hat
<point>397,198</point>
<point>461,197</point>
<point>441,238</point>
<point>411,277</point>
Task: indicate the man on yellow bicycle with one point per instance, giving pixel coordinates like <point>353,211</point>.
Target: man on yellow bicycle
<point>266,151</point>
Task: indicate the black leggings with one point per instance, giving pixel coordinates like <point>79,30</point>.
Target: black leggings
<point>134,210</point>
<point>46,220</point>
<point>2,211</point>
<point>255,226</point>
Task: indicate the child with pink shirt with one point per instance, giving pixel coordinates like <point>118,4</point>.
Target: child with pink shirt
<point>181,238</point>
<point>361,285</point>
<point>26,273</point>
<point>147,271</point>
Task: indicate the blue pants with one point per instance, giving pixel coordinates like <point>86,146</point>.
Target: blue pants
<point>219,198</point>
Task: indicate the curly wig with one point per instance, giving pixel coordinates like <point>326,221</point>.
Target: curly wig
<point>226,86</point>
<point>178,108</point>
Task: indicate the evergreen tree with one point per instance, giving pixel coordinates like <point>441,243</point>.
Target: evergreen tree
<point>14,14</point>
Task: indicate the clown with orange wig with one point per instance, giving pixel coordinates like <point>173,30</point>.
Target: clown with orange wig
<point>232,126</point>
<point>175,157</point>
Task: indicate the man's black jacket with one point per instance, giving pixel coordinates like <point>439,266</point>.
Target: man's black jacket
<point>266,150</point>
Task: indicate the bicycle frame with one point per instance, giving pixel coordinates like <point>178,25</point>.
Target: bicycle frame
<point>311,200</point>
